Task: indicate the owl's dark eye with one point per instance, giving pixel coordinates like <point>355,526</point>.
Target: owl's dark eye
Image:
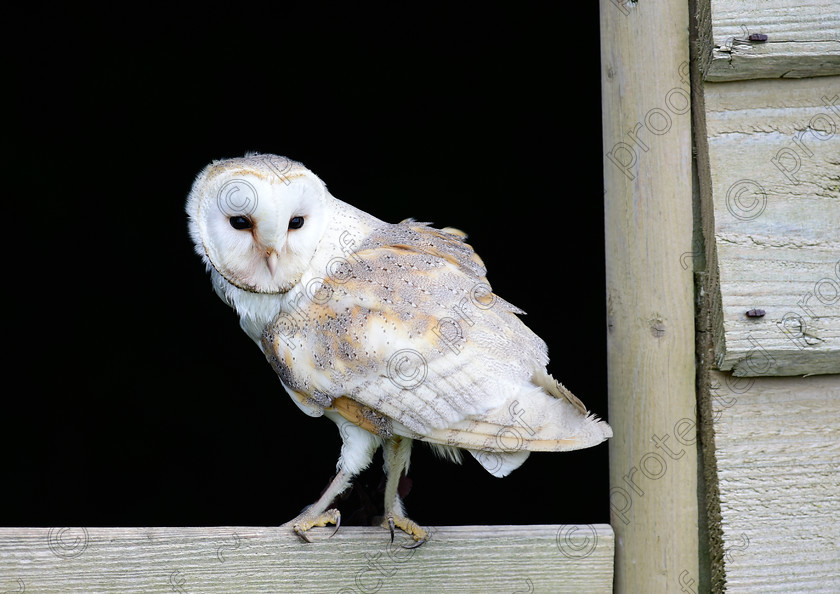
<point>240,222</point>
<point>296,223</point>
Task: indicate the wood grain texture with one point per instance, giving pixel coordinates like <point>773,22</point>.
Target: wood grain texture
<point>774,211</point>
<point>650,342</point>
<point>803,39</point>
<point>254,559</point>
<point>777,452</point>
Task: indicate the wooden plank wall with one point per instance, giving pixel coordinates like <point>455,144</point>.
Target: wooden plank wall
<point>776,448</point>
<point>768,289</point>
<point>741,40</point>
<point>774,168</point>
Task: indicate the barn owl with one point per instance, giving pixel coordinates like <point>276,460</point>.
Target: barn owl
<point>389,330</point>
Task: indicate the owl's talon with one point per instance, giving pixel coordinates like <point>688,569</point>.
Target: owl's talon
<point>337,524</point>
<point>302,533</point>
<point>411,528</point>
<point>415,545</point>
<point>304,522</point>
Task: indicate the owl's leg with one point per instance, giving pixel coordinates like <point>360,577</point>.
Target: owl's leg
<point>357,449</point>
<point>397,454</point>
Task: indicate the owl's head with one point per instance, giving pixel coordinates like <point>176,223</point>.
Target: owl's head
<point>257,220</point>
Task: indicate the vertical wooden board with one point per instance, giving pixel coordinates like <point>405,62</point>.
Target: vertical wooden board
<point>650,342</point>
<point>778,459</point>
<point>802,39</point>
<point>774,163</point>
<point>251,559</point>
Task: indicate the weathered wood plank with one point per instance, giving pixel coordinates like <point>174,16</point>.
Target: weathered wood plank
<point>249,559</point>
<point>803,39</point>
<point>650,340</point>
<point>777,451</point>
<point>774,167</point>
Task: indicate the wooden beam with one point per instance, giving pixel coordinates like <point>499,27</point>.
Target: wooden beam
<point>252,559</point>
<point>740,39</point>
<point>777,458</point>
<point>646,104</point>
<point>772,210</point>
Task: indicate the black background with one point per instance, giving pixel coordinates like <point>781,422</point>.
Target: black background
<point>131,396</point>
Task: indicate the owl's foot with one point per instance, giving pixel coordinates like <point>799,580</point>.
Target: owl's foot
<point>409,527</point>
<point>305,521</point>
<point>317,514</point>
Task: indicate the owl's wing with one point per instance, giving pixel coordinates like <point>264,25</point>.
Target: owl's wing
<point>405,336</point>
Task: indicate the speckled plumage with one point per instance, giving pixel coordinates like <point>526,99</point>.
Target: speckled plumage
<point>389,328</point>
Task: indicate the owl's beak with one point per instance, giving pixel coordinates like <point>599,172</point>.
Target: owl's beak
<point>271,260</point>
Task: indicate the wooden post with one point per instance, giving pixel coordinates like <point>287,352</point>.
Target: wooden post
<point>645,88</point>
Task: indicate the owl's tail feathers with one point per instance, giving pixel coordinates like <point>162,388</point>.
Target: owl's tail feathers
<point>544,417</point>
<point>544,380</point>
<point>583,429</point>
<point>541,417</point>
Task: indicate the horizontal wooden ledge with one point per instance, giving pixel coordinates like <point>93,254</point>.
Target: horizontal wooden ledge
<point>543,558</point>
